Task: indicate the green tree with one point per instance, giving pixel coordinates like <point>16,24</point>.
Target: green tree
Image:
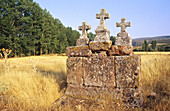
<point>27,29</point>
<point>113,39</point>
<point>91,36</point>
<point>154,45</point>
<point>145,45</point>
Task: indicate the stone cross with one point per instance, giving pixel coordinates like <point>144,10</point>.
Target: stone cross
<point>103,16</point>
<point>123,25</point>
<point>84,28</point>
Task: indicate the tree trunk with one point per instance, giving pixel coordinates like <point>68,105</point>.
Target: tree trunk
<point>41,48</point>
<point>15,52</point>
<point>34,51</point>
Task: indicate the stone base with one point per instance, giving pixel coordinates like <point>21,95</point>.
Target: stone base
<point>99,74</point>
<point>123,40</point>
<point>102,34</point>
<point>130,96</point>
<point>100,46</point>
<point>120,50</point>
<point>82,41</point>
<point>78,51</point>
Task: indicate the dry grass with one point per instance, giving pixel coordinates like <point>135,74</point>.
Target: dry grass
<point>36,82</point>
<point>156,82</point>
<point>152,53</point>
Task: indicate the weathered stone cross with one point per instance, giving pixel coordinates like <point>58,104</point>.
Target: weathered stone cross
<point>123,25</point>
<point>84,28</point>
<point>103,16</point>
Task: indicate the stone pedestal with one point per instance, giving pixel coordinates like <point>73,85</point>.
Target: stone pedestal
<point>105,75</point>
<point>124,40</point>
<point>102,34</point>
<point>82,41</point>
<point>98,68</point>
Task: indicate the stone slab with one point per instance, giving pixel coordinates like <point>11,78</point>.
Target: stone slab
<point>75,70</point>
<point>127,70</point>
<point>100,45</point>
<point>99,71</point>
<point>78,51</point>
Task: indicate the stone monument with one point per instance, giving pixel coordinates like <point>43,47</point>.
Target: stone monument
<point>123,37</point>
<point>102,41</point>
<point>100,68</point>
<point>83,40</point>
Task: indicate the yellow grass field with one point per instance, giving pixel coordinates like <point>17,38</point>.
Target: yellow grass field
<point>34,83</point>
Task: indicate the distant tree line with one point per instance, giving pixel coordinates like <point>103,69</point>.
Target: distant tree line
<point>27,29</point>
<point>148,47</point>
<point>152,47</point>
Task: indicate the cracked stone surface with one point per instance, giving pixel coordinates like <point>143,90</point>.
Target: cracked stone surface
<point>99,71</point>
<point>127,70</point>
<point>75,70</point>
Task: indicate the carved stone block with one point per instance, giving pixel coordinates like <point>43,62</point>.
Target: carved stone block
<point>75,70</point>
<point>127,71</point>
<point>78,51</point>
<point>99,71</point>
<point>100,45</point>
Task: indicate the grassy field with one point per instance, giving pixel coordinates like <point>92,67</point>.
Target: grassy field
<point>34,83</point>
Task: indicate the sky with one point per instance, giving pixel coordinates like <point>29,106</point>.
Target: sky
<point>149,18</point>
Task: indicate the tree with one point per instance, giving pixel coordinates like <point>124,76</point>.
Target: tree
<point>27,29</point>
<point>113,39</point>
<point>91,36</point>
<point>154,45</point>
<point>145,45</point>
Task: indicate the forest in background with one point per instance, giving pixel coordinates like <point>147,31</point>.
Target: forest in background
<point>27,29</point>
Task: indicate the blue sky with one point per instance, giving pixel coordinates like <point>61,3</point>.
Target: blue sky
<point>148,17</point>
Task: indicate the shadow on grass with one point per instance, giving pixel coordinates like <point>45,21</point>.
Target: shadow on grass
<point>60,77</point>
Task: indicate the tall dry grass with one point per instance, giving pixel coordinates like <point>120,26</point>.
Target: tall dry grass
<point>155,81</point>
<point>34,83</point>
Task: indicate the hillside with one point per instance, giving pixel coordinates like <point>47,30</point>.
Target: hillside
<point>160,40</point>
